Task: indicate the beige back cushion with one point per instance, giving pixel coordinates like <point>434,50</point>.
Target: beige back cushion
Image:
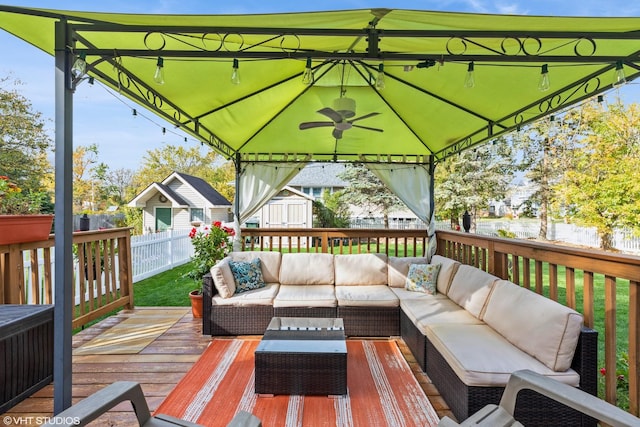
<point>269,261</point>
<point>398,267</point>
<point>360,269</point>
<point>543,328</point>
<point>447,271</point>
<point>223,279</point>
<point>470,289</point>
<point>307,269</point>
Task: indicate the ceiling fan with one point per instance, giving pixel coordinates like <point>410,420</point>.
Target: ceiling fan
<point>343,109</point>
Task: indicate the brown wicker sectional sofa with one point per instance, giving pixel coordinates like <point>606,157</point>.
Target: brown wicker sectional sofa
<point>468,337</point>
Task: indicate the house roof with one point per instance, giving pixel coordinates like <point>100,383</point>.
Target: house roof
<point>198,184</point>
<point>423,57</point>
<point>202,187</point>
<point>320,175</point>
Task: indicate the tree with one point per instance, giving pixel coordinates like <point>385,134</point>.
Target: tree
<point>470,180</point>
<point>118,183</point>
<point>88,176</point>
<point>160,163</point>
<point>544,146</point>
<point>366,190</point>
<point>597,190</point>
<point>331,212</point>
<point>24,144</point>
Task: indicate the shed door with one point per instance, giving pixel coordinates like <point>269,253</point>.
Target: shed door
<point>163,219</point>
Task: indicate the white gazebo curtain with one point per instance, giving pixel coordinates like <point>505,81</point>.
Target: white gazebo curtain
<point>413,185</point>
<point>257,184</point>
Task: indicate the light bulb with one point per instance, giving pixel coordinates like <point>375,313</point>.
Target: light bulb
<point>543,83</point>
<point>235,74</point>
<point>79,67</point>
<point>620,78</point>
<point>469,78</point>
<point>307,77</point>
<point>380,79</point>
<point>158,76</point>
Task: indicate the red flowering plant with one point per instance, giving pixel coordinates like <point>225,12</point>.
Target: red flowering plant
<point>210,245</point>
<point>622,381</point>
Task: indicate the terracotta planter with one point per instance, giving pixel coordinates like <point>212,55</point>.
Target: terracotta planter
<point>24,228</point>
<point>196,304</point>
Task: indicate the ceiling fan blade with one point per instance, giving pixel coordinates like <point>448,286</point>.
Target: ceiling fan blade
<point>337,134</point>
<point>309,125</point>
<point>332,114</point>
<point>368,128</point>
<point>366,116</point>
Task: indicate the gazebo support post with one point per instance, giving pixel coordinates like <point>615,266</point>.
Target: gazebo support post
<point>63,229</point>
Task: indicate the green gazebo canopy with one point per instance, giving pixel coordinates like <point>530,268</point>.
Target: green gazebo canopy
<point>425,107</point>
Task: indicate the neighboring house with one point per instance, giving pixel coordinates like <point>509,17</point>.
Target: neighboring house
<point>314,179</point>
<point>289,208</point>
<point>180,201</point>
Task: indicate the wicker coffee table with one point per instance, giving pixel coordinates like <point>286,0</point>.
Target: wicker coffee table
<point>303,356</point>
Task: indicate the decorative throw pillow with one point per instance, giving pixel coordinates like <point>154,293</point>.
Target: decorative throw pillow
<point>247,275</point>
<point>422,278</point>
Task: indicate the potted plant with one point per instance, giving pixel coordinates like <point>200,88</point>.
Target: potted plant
<point>210,245</point>
<point>21,220</point>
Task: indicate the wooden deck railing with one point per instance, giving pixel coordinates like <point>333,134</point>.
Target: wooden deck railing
<point>579,278</point>
<point>336,240</point>
<point>102,273</point>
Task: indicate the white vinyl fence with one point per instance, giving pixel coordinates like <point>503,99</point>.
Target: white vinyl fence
<point>157,252</point>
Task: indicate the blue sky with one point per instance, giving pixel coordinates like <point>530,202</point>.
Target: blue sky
<point>106,120</point>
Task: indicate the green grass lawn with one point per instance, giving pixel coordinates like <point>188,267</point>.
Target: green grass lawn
<point>167,289</point>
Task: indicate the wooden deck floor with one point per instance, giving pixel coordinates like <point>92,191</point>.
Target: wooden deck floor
<point>157,367</point>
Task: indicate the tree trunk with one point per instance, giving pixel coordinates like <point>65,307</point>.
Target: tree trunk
<point>606,240</point>
<point>386,220</point>
<point>544,192</point>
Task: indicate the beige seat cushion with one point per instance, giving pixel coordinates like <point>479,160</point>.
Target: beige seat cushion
<point>398,267</point>
<point>481,356</point>
<point>269,262</point>
<point>360,269</point>
<point>262,296</point>
<point>366,296</point>
<point>470,288</point>
<point>434,309</point>
<point>223,279</point>
<point>307,269</point>
<point>543,328</point>
<point>305,296</point>
<point>447,271</point>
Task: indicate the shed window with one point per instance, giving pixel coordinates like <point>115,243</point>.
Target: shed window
<point>197,214</point>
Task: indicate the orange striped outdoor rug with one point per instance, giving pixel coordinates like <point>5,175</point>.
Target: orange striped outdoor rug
<point>382,391</point>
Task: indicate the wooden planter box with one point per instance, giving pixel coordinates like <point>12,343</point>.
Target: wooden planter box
<point>26,351</point>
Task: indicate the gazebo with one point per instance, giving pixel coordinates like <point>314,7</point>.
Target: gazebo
<point>397,90</point>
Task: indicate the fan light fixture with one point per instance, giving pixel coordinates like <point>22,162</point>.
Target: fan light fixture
<point>346,107</point>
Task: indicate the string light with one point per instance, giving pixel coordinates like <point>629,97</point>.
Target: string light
<point>235,73</point>
<point>307,77</point>
<point>619,78</point>
<point>543,83</point>
<point>158,76</point>
<point>380,85</point>
<point>469,78</point>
